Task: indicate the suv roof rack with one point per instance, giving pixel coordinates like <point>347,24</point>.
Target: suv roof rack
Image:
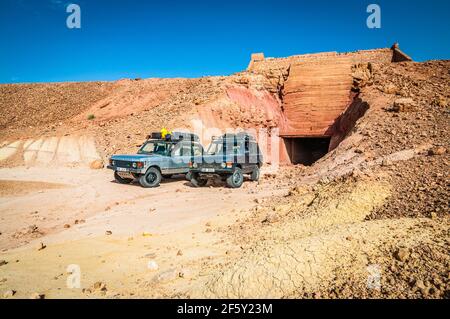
<point>174,137</point>
<point>237,136</point>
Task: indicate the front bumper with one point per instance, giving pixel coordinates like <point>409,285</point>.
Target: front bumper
<point>126,169</point>
<point>211,171</point>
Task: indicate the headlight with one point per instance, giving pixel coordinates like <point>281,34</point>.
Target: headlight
<point>223,165</point>
<point>134,165</point>
<point>113,163</point>
<point>194,165</point>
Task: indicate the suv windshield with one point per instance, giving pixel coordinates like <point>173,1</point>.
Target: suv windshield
<point>160,148</point>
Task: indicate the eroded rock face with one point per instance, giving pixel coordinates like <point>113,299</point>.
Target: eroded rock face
<point>315,95</point>
<point>66,150</point>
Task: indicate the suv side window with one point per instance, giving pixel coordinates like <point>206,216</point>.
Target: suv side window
<point>254,153</point>
<point>240,148</point>
<point>197,149</point>
<point>185,149</point>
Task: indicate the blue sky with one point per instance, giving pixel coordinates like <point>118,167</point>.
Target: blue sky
<point>138,38</point>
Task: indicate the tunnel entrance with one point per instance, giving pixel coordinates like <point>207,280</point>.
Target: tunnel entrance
<point>306,150</point>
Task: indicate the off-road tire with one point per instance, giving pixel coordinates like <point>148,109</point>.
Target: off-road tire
<point>122,180</point>
<point>151,178</point>
<point>254,176</point>
<point>236,179</point>
<point>197,181</point>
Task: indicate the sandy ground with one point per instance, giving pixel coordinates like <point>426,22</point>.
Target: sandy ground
<point>111,231</point>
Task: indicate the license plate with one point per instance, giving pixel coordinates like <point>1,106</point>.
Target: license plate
<point>122,169</point>
<point>208,170</point>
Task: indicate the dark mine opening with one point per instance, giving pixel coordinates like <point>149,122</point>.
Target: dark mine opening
<point>308,150</point>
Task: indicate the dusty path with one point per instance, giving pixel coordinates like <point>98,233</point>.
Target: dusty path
<point>101,205</point>
<point>110,230</point>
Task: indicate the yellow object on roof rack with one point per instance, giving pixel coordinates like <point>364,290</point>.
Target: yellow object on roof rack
<point>164,132</point>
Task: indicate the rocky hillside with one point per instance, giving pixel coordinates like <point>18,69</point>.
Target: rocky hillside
<point>377,204</point>
<point>33,105</point>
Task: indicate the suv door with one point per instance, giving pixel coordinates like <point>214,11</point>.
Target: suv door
<point>182,154</point>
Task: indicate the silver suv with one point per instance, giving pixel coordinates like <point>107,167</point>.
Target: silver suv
<point>157,158</point>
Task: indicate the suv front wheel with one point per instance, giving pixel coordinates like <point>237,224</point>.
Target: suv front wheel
<point>236,179</point>
<point>255,174</point>
<point>151,178</point>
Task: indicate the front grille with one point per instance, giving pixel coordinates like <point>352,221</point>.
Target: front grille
<point>124,164</point>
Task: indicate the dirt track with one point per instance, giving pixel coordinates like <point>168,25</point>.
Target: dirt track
<point>76,216</point>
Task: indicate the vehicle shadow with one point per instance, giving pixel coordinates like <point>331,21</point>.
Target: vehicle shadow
<point>173,179</point>
<point>215,183</point>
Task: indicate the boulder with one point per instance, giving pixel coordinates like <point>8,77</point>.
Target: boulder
<point>401,254</point>
<point>437,151</point>
<point>403,105</point>
<point>97,164</point>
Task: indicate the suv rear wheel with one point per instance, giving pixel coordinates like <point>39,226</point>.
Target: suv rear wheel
<point>151,178</point>
<point>121,180</point>
<point>236,179</point>
<point>254,176</point>
<point>197,181</point>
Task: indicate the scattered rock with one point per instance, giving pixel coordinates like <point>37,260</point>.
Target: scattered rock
<point>386,162</point>
<point>401,254</point>
<point>99,286</point>
<point>441,102</point>
<point>179,253</point>
<point>419,284</point>
<point>41,246</point>
<point>403,105</point>
<point>66,226</point>
<point>208,230</point>
<point>389,89</point>
<point>3,262</point>
<point>185,273</point>
<point>108,232</point>
<point>437,151</point>
<point>97,164</point>
<point>271,217</point>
